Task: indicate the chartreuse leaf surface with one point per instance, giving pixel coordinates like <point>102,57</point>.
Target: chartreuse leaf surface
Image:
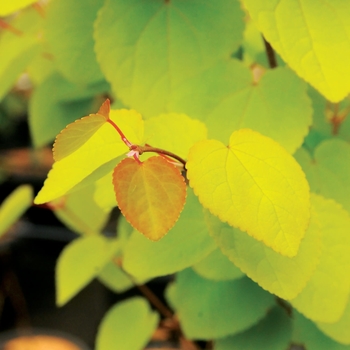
<point>184,245</point>
<point>128,325</point>
<point>68,31</point>
<point>255,185</point>
<point>203,306</point>
<point>339,331</point>
<point>103,146</point>
<point>187,37</point>
<point>79,211</point>
<point>216,266</point>
<point>227,98</point>
<point>14,205</point>
<point>272,333</point>
<point>312,37</point>
<point>305,332</point>
<point>326,294</point>
<point>280,275</point>
<point>80,262</point>
<point>174,132</point>
<point>57,102</point>
<point>18,50</point>
<point>8,7</point>
<point>150,194</point>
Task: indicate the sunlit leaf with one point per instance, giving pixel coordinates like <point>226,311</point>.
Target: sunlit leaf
<point>305,332</point>
<point>68,30</point>
<point>104,194</point>
<point>102,147</point>
<point>204,307</point>
<point>280,275</point>
<point>174,132</point>
<point>326,294</point>
<point>18,50</point>
<point>216,266</point>
<point>128,325</point>
<point>227,98</point>
<point>187,37</point>
<point>185,244</point>
<point>8,7</point>
<point>255,185</point>
<point>150,194</point>
<point>271,333</point>
<point>80,262</point>
<point>14,205</point>
<point>312,37</point>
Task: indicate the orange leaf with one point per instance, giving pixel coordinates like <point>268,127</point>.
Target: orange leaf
<point>77,133</point>
<point>151,194</point>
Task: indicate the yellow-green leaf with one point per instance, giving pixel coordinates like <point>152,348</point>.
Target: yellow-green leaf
<point>8,7</point>
<point>174,132</point>
<point>100,148</point>
<point>326,294</point>
<point>312,36</point>
<point>80,262</point>
<point>278,274</point>
<point>14,206</point>
<point>151,194</point>
<point>253,184</point>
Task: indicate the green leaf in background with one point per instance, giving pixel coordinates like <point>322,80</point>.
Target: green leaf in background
<point>338,331</point>
<point>312,37</point>
<point>226,98</point>
<point>271,333</point>
<point>328,172</point>
<point>127,326</point>
<point>204,307</point>
<point>185,244</point>
<point>216,266</point>
<point>14,205</point>
<point>147,48</point>
<point>306,333</point>
<point>79,212</point>
<point>57,102</point>
<point>80,262</point>
<point>40,68</point>
<point>166,130</point>
<point>17,51</point>
<point>326,293</point>
<point>68,31</point>
<point>278,274</point>
<point>104,194</point>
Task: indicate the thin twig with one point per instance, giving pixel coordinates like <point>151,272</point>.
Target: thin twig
<point>270,53</point>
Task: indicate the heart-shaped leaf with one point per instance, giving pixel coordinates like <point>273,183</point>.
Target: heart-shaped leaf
<point>150,194</point>
<point>253,184</point>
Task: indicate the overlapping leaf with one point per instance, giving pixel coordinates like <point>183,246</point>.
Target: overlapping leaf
<point>326,294</point>
<point>204,307</point>
<point>227,98</point>
<point>103,146</point>
<point>8,7</point>
<point>328,172</point>
<point>271,333</point>
<point>80,262</point>
<point>186,37</point>
<point>68,30</point>
<point>216,266</point>
<point>253,184</point>
<point>312,37</point>
<point>127,325</point>
<point>280,275</point>
<point>150,194</point>
<point>174,132</point>
<point>185,244</point>
<point>14,206</point>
